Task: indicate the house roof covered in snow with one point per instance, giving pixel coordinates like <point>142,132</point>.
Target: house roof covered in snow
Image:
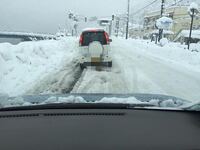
<point>185,34</point>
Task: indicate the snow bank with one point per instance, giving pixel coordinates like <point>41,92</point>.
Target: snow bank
<point>22,65</point>
<point>164,41</point>
<point>172,53</point>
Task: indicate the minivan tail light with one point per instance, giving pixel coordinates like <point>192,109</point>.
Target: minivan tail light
<point>107,37</point>
<point>81,40</point>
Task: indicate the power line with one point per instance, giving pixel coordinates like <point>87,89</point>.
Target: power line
<point>174,4</point>
<point>141,9</point>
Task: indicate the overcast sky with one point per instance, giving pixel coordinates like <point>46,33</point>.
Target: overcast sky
<point>48,15</point>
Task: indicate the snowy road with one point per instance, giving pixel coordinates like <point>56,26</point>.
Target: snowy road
<point>138,67</point>
<point>137,72</point>
<point>155,75</point>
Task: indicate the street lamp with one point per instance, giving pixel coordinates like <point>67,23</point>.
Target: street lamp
<point>193,11</point>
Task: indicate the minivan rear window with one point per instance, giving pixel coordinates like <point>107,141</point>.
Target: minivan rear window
<point>89,37</point>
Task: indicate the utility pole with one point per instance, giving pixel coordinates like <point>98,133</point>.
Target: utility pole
<point>162,7</point>
<point>117,25</point>
<point>110,28</point>
<point>127,23</point>
<point>161,14</point>
<point>111,24</point>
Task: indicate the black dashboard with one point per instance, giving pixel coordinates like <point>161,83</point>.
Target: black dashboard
<point>99,129</point>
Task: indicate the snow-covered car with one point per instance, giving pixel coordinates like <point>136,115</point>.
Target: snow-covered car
<point>95,48</point>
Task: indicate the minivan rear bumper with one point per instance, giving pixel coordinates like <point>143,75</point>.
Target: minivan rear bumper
<point>104,64</point>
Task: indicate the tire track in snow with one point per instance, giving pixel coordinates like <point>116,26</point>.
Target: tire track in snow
<point>59,82</point>
<point>78,82</point>
<point>93,81</point>
<point>62,80</point>
<point>105,81</point>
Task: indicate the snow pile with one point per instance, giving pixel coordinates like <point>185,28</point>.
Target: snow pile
<point>18,101</point>
<point>70,99</point>
<point>129,100</point>
<point>195,47</point>
<point>193,6</point>
<point>164,41</point>
<point>22,65</point>
<point>168,103</point>
<point>192,106</point>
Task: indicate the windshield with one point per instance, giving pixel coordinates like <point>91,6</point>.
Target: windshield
<point>89,37</point>
<point>126,51</point>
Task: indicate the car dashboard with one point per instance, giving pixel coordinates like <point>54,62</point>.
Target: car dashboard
<point>99,129</point>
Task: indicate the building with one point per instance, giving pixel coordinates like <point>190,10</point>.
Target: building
<point>136,31</point>
<point>180,16</point>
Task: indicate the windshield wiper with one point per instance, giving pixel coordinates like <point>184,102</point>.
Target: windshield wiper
<point>77,106</point>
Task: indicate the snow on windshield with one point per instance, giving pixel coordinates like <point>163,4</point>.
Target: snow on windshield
<point>19,101</point>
